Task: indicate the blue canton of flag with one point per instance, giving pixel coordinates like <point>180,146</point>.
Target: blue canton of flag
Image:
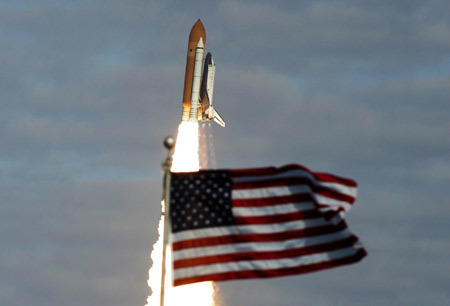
<point>200,200</point>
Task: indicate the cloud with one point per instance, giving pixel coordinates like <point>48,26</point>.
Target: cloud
<point>77,242</point>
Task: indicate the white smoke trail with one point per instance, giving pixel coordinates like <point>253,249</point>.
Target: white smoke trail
<point>185,158</point>
<point>153,281</point>
<point>207,151</point>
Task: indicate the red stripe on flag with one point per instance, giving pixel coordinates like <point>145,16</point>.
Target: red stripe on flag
<point>294,182</point>
<point>259,202</point>
<point>324,177</point>
<point>334,195</point>
<point>265,255</point>
<point>330,178</point>
<point>274,182</point>
<point>265,171</point>
<point>268,237</point>
<point>278,218</point>
<point>273,272</point>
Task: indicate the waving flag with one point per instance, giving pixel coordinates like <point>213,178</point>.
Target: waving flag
<point>256,223</point>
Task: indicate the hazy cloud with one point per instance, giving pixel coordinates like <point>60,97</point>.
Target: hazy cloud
<point>89,89</point>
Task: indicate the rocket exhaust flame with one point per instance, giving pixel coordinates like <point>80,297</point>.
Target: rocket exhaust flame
<point>185,159</point>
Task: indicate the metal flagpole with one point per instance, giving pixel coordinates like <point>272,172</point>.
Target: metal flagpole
<point>169,143</point>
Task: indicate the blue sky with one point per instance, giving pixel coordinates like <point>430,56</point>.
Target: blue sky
<point>89,89</point>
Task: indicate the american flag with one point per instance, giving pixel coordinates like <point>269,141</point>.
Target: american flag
<point>263,222</point>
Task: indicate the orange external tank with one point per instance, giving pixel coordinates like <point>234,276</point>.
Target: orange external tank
<point>197,32</point>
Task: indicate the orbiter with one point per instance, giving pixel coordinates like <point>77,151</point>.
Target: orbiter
<point>198,87</point>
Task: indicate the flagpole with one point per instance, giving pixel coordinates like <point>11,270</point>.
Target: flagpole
<point>169,143</point>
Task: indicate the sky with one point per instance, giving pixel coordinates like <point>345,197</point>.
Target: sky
<point>89,90</point>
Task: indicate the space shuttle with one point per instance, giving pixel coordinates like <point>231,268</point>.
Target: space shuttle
<point>198,85</point>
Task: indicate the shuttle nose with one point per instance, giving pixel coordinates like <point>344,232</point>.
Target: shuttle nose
<point>197,31</point>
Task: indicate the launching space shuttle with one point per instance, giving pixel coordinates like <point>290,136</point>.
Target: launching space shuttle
<point>198,86</point>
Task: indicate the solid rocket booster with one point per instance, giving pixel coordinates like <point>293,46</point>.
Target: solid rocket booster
<point>197,33</point>
<point>195,95</point>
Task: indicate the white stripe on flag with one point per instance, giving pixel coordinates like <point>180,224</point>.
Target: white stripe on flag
<point>268,192</point>
<point>260,246</point>
<point>324,200</point>
<point>248,229</point>
<point>265,264</point>
<point>347,190</point>
<point>290,173</point>
<point>273,210</point>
